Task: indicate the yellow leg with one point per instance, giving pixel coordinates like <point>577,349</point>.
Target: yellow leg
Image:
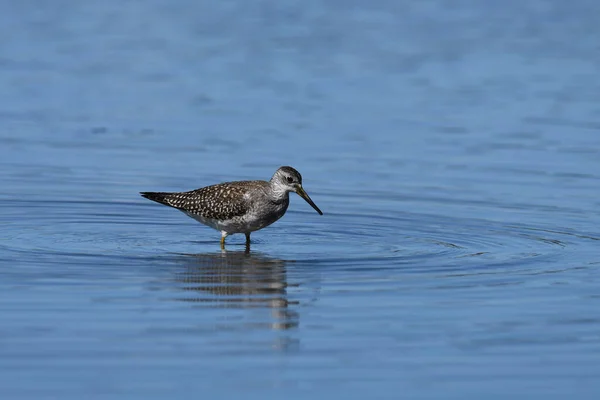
<point>247,248</point>
<point>223,242</point>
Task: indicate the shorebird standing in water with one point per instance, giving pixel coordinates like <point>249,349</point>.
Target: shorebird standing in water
<point>238,207</point>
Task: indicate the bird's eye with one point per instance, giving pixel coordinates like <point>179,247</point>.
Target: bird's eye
<point>290,179</point>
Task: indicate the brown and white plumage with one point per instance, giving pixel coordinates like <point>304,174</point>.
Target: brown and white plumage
<point>238,207</point>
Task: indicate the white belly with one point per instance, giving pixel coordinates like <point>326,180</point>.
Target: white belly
<point>250,222</point>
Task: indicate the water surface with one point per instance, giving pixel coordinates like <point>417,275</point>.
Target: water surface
<point>454,149</point>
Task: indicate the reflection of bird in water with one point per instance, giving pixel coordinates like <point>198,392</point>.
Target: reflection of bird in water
<point>239,280</point>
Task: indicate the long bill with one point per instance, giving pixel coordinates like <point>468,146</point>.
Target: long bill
<point>306,197</point>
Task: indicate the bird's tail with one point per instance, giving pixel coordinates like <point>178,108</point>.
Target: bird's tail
<point>159,197</point>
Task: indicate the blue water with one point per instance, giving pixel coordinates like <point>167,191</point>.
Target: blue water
<point>454,148</point>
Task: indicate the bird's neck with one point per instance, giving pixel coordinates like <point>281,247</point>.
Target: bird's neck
<point>279,194</point>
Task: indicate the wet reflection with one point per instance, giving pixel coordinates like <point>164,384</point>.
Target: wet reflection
<point>239,279</point>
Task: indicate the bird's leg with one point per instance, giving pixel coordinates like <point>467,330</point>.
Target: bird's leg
<point>223,236</point>
<point>248,242</point>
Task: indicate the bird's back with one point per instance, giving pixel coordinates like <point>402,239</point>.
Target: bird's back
<point>222,201</point>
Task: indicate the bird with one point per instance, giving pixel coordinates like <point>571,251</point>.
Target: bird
<point>238,206</point>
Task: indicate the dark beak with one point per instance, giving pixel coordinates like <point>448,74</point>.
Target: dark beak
<point>305,196</point>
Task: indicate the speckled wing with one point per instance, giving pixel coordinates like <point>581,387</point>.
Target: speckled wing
<point>221,202</point>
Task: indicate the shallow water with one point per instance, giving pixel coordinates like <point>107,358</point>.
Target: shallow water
<point>454,149</point>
